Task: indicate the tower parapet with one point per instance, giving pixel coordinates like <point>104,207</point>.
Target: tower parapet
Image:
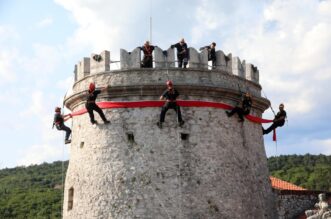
<point>166,59</point>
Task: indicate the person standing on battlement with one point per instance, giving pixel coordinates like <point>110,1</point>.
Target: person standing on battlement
<point>211,53</point>
<point>278,121</point>
<point>59,120</point>
<point>148,56</point>
<point>170,95</point>
<point>91,105</point>
<point>242,110</point>
<point>182,53</point>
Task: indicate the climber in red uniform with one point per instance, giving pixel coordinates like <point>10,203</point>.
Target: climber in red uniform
<point>91,105</point>
<point>58,122</point>
<point>170,96</point>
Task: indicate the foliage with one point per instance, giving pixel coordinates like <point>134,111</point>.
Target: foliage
<point>312,172</point>
<point>32,192</point>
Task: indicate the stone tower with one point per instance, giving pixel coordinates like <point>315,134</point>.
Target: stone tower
<point>212,167</point>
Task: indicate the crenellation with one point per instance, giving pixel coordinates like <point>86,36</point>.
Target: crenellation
<point>252,73</point>
<point>100,63</point>
<point>130,59</point>
<point>194,60</point>
<point>223,62</point>
<point>83,68</point>
<point>171,57</point>
<point>203,59</point>
<point>75,73</point>
<point>237,67</point>
<point>159,58</point>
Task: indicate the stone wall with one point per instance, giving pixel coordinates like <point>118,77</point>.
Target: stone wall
<point>291,204</point>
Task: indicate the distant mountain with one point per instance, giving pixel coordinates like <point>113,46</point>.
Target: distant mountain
<point>36,191</point>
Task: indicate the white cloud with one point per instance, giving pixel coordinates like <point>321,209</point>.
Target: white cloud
<point>45,22</point>
<point>44,60</point>
<point>7,66</point>
<point>105,24</point>
<point>36,107</point>
<point>8,33</point>
<point>37,154</point>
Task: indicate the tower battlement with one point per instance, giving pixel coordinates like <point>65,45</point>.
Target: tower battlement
<point>98,63</point>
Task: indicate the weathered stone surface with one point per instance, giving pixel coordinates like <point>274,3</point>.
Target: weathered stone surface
<point>101,65</point>
<point>219,171</point>
<point>252,73</point>
<point>83,68</point>
<point>292,205</point>
<point>194,61</point>
<point>238,67</point>
<point>130,59</point>
<point>223,62</point>
<point>170,58</point>
<point>160,58</point>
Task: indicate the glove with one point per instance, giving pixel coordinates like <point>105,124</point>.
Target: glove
<point>172,46</point>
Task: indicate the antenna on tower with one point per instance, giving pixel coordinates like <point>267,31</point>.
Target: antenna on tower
<point>150,23</point>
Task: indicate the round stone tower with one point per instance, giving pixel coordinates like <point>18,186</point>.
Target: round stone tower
<point>212,167</point>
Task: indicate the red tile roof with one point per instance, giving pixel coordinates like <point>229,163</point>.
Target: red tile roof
<point>283,185</point>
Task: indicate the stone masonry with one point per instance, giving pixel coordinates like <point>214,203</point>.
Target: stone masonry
<point>214,167</point>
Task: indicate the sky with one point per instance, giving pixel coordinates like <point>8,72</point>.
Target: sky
<point>42,40</point>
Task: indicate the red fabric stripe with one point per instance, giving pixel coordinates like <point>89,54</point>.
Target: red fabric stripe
<point>157,103</point>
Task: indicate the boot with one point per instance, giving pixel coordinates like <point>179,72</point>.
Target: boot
<point>67,141</point>
<point>159,124</point>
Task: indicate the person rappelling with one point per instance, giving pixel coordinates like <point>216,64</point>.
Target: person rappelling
<point>211,53</point>
<point>278,121</point>
<point>148,56</point>
<point>170,95</point>
<point>182,53</point>
<point>242,109</point>
<point>91,105</point>
<point>58,122</point>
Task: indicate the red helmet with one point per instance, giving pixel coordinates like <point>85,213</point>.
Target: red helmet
<point>169,83</point>
<point>91,87</point>
<point>57,109</point>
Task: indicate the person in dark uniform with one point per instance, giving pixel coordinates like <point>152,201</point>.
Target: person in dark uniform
<point>170,96</point>
<point>211,53</point>
<point>148,56</point>
<point>278,121</point>
<point>242,110</point>
<point>182,52</point>
<point>58,122</point>
<point>91,105</point>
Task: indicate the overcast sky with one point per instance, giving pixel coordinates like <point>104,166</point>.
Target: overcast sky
<point>42,40</point>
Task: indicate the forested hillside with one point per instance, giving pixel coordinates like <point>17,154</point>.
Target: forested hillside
<point>312,172</point>
<point>32,192</point>
<point>36,191</point>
